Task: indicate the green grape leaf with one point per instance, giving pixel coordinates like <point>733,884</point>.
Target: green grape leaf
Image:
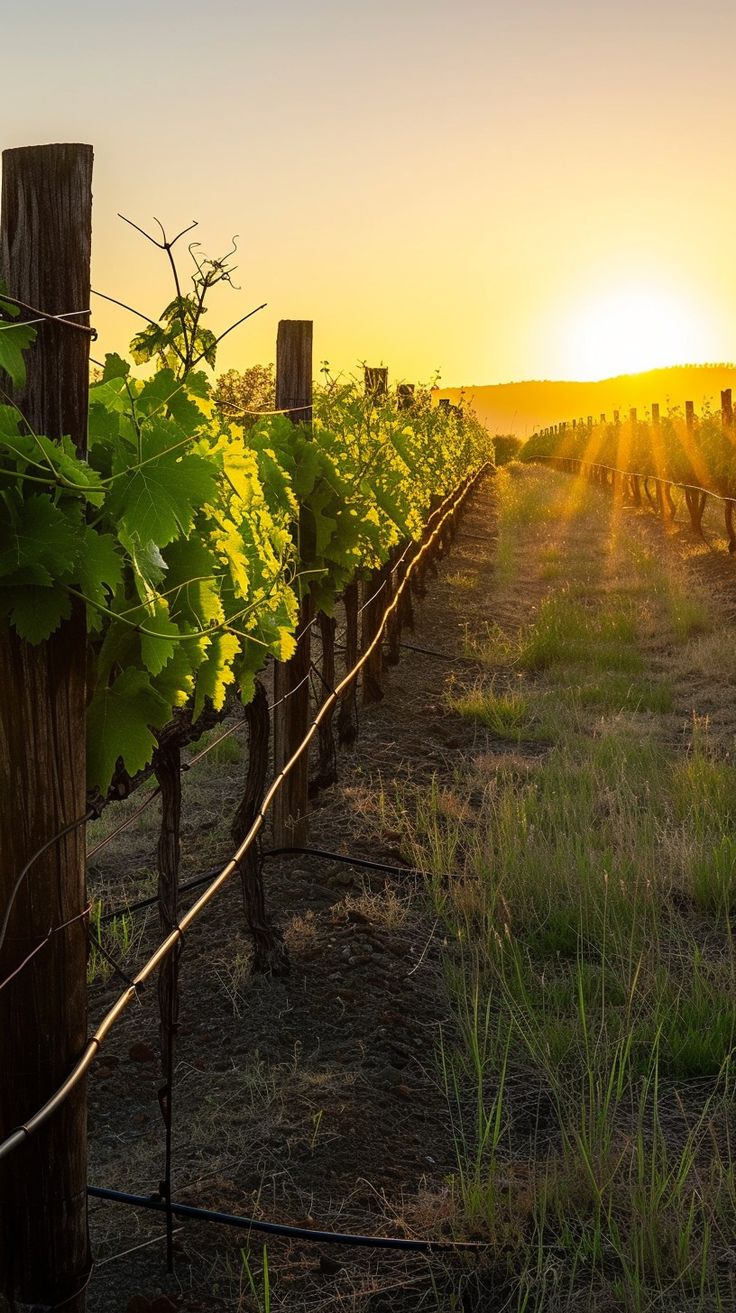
<point>193,572</point>
<point>391,507</point>
<point>34,612</point>
<point>149,566</point>
<point>103,426</point>
<point>308,467</point>
<point>100,572</point>
<point>115,367</point>
<point>40,536</point>
<point>14,340</point>
<point>158,502</point>
<point>156,652</point>
<point>400,441</point>
<point>216,672</point>
<point>175,683</point>
<point>164,395</point>
<point>120,721</point>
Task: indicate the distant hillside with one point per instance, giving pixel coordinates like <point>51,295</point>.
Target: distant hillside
<point>523,407</point>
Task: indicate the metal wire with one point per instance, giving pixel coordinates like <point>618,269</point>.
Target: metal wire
<point>40,316</point>
<point>43,942</point>
<point>55,838</point>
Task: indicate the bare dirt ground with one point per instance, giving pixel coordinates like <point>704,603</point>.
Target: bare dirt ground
<point>318,1100</point>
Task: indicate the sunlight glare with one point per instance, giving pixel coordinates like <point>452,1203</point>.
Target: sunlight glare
<point>632,329</point>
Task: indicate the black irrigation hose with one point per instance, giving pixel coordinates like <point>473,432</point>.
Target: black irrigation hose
<point>345,858</point>
<point>153,900</point>
<point>279,1228</point>
<point>442,656</point>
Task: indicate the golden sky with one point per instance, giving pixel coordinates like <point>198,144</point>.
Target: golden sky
<point>501,190</point>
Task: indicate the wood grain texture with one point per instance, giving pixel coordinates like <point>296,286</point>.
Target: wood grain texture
<point>291,678</point>
<point>45,237</point>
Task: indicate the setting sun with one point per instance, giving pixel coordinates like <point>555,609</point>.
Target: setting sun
<point>634,328</point>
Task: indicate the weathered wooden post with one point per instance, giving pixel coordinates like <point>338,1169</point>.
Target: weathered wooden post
<point>689,416</point>
<point>376,381</point>
<point>727,409</point>
<point>603,418</point>
<point>655,414</point>
<point>291,678</point>
<point>377,588</point>
<point>45,242</point>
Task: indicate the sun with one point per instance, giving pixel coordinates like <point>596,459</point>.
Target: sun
<point>633,328</point>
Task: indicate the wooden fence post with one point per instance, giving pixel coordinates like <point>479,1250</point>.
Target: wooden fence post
<point>377,588</point>
<point>376,381</point>
<point>45,242</point>
<point>689,416</point>
<point>291,678</point>
<point>727,409</point>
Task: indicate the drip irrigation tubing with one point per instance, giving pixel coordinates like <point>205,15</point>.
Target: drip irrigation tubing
<point>442,656</point>
<point>176,936</point>
<point>346,859</point>
<point>281,1228</point>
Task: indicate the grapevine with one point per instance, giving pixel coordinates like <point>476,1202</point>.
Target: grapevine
<point>189,538</point>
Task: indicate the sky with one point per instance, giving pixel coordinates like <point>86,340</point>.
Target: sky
<point>499,191</point>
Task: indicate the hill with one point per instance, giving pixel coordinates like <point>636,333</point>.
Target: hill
<point>523,407</point>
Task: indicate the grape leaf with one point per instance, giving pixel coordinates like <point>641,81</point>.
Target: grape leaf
<point>14,340</point>
<point>115,367</point>
<point>100,572</point>
<point>120,720</point>
<point>41,535</point>
<point>193,571</point>
<point>216,672</point>
<point>34,612</point>
<point>176,681</point>
<point>158,502</point>
<point>156,652</point>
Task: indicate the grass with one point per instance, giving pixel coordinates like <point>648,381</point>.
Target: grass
<point>116,936</point>
<point>618,691</point>
<point>567,632</point>
<point>508,716</point>
<point>461,579</point>
<point>589,1074</point>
